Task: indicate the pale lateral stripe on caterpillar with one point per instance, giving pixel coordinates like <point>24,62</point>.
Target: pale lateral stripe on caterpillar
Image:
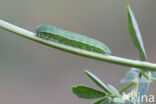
<point>71,39</point>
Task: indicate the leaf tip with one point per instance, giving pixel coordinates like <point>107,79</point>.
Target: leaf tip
<point>128,9</point>
<point>86,72</point>
<point>128,6</point>
<point>74,89</point>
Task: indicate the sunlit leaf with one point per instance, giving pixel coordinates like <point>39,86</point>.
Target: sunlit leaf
<point>135,34</point>
<point>102,101</point>
<point>87,92</point>
<point>114,90</point>
<point>97,81</point>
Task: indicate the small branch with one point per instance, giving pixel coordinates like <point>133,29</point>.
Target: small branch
<point>107,58</point>
<point>136,87</point>
<point>126,87</point>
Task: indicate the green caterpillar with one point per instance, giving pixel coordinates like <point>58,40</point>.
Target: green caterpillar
<point>71,39</point>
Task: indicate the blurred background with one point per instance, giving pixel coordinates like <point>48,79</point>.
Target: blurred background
<point>31,73</point>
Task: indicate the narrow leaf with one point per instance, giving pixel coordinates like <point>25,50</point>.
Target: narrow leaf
<point>87,92</point>
<point>103,101</point>
<point>131,75</point>
<point>97,81</point>
<point>114,90</point>
<point>135,34</point>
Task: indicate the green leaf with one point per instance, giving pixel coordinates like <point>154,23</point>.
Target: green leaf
<point>114,90</point>
<point>97,81</point>
<point>131,75</point>
<point>87,92</point>
<point>135,34</point>
<point>103,101</point>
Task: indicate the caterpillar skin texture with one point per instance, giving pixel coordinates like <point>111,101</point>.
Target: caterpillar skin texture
<point>71,39</point>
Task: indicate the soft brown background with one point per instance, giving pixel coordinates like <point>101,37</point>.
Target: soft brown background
<point>31,73</point>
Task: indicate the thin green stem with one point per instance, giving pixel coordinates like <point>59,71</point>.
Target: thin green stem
<point>136,80</point>
<point>136,87</point>
<point>146,75</point>
<point>107,58</point>
<point>149,76</point>
<point>126,87</point>
<point>153,79</point>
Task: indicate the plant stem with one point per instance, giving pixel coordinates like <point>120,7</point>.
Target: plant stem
<point>148,76</point>
<point>153,79</point>
<point>126,87</point>
<point>136,87</point>
<point>107,58</point>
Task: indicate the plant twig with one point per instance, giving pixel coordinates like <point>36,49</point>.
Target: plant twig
<point>107,58</point>
<point>126,87</point>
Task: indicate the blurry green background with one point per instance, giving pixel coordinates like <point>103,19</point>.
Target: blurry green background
<point>31,73</point>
